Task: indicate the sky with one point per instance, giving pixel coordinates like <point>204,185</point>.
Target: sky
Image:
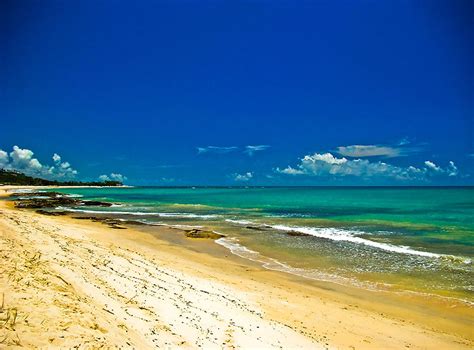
<point>239,92</point>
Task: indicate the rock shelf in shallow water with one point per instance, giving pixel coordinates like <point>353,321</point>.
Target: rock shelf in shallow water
<point>39,200</point>
<point>196,233</point>
<point>51,213</point>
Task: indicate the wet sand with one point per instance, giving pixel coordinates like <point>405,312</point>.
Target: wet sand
<point>71,283</point>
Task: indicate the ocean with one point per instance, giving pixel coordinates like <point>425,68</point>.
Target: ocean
<point>402,239</point>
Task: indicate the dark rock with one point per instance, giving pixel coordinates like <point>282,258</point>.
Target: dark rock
<point>117,227</point>
<point>256,228</point>
<point>37,203</point>
<point>37,194</point>
<point>51,213</point>
<point>195,233</point>
<point>112,223</point>
<point>52,200</point>
<point>134,222</point>
<point>84,217</point>
<point>95,204</point>
<point>295,233</point>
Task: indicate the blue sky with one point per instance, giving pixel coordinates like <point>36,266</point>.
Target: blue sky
<point>244,92</point>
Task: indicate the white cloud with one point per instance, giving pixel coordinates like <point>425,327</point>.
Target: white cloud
<point>290,171</point>
<point>404,141</point>
<point>327,165</point>
<point>118,177</point>
<point>243,177</point>
<point>35,164</point>
<point>357,151</point>
<point>65,165</point>
<point>326,158</point>
<point>388,151</point>
<point>432,166</point>
<point>250,150</point>
<point>216,149</point>
<point>22,160</point>
<point>4,159</point>
<point>452,169</point>
<point>113,177</point>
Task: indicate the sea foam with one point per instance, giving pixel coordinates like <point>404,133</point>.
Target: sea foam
<point>351,236</point>
<point>140,213</point>
<point>268,263</point>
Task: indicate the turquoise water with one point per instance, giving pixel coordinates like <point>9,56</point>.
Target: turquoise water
<point>413,239</point>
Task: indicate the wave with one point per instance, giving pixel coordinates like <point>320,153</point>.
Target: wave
<point>240,222</point>
<point>351,236</point>
<point>275,265</point>
<point>21,190</point>
<point>268,263</point>
<point>181,227</point>
<point>40,196</point>
<point>33,197</point>
<point>73,195</point>
<point>140,213</point>
<point>186,227</point>
<point>237,249</point>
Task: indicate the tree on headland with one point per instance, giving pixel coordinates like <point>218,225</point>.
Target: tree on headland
<point>12,177</point>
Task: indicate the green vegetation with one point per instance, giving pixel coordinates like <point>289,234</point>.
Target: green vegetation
<point>9,177</point>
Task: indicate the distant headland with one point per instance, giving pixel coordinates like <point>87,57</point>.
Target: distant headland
<point>11,177</point>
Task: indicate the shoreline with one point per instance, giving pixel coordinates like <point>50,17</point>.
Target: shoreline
<point>290,310</point>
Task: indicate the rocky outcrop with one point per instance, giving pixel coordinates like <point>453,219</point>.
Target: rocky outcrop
<point>296,233</point>
<point>112,223</point>
<point>51,202</point>
<point>38,200</point>
<point>196,233</point>
<point>95,204</point>
<point>258,228</point>
<point>51,213</point>
<point>37,194</point>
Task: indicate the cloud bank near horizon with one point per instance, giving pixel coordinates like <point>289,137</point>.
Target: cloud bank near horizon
<point>243,177</point>
<point>385,151</point>
<point>322,167</point>
<point>113,177</point>
<point>327,165</point>
<point>23,160</point>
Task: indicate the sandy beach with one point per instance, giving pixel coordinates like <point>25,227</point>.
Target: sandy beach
<point>69,283</point>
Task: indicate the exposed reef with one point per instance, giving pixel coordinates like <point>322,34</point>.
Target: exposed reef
<point>196,233</point>
<point>266,227</point>
<point>112,223</point>
<point>39,200</point>
<point>296,233</point>
<point>51,213</point>
<point>46,203</point>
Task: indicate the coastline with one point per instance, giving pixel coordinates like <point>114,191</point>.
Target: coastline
<point>138,289</point>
